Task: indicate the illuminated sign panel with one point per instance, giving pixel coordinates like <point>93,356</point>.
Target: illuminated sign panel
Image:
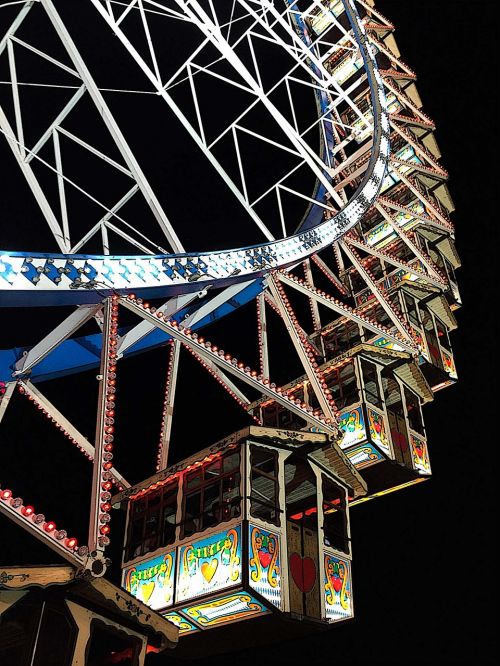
<point>387,344</point>
<point>210,564</point>
<point>338,597</point>
<point>152,581</point>
<point>352,423</point>
<point>185,626</point>
<point>378,433</point>
<point>264,564</point>
<point>238,606</point>
<point>449,363</point>
<point>364,455</point>
<point>420,455</point>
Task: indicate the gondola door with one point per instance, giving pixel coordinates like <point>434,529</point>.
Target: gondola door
<point>302,538</point>
<point>397,421</point>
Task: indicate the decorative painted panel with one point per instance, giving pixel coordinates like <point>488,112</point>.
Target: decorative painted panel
<point>387,344</point>
<point>152,581</point>
<point>338,596</point>
<point>378,233</point>
<point>353,425</point>
<point>364,455</point>
<point>420,455</point>
<point>238,606</point>
<point>264,559</point>
<point>185,626</point>
<point>449,363</point>
<point>421,343</point>
<point>378,432</point>
<point>210,564</point>
<point>399,276</point>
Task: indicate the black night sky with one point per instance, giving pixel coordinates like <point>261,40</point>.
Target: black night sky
<point>422,575</point>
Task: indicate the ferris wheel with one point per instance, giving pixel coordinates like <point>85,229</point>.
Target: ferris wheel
<point>251,92</point>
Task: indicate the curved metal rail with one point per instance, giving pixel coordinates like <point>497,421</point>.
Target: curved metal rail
<point>29,279</point>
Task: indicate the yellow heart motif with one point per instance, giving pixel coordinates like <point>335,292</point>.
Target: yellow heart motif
<point>208,569</point>
<point>147,590</point>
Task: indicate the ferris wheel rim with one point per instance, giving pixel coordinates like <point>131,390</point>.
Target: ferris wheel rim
<point>31,278</point>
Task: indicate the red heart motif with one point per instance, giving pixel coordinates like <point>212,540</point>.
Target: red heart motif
<point>264,558</point>
<point>336,583</point>
<point>303,570</point>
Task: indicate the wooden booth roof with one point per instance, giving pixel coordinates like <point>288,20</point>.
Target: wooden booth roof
<point>336,461</point>
<point>435,301</point>
<point>407,370</point>
<point>97,594</point>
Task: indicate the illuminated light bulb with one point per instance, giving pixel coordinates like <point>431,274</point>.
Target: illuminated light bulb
<point>106,506</point>
<point>105,529</point>
<point>50,526</point>
<point>71,543</point>
<point>107,485</point>
<point>6,494</point>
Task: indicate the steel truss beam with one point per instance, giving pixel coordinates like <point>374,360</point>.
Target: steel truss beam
<point>226,363</point>
<point>68,428</point>
<point>389,258</point>
<point>388,308</point>
<point>345,311</point>
<point>24,155</point>
<point>431,268</point>
<point>169,308</point>
<point>112,126</point>
<point>326,270</point>
<point>313,373</point>
<point>62,332</point>
<point>99,517</point>
<point>5,398</point>
<point>168,405</point>
<point>312,303</point>
<point>35,524</point>
<point>262,335</point>
<point>269,21</point>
